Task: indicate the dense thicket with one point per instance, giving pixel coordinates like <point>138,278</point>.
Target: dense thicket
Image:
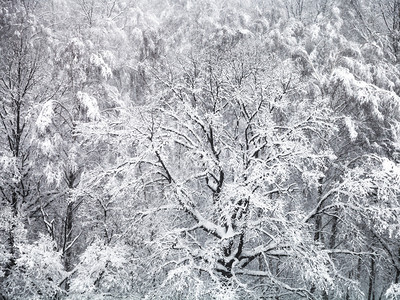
<point>199,149</point>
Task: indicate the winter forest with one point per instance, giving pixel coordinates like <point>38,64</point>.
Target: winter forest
<point>199,149</point>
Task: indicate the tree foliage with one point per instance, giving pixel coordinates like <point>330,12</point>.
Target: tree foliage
<point>199,149</point>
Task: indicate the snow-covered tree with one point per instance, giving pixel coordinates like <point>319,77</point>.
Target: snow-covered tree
<point>199,149</point>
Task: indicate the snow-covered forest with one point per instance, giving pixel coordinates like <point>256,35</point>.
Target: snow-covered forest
<point>200,149</point>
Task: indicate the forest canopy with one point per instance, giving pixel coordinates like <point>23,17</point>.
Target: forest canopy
<point>204,149</point>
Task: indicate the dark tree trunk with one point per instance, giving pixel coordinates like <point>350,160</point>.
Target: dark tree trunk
<point>371,294</point>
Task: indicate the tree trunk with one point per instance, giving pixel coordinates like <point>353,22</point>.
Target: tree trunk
<point>371,294</point>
